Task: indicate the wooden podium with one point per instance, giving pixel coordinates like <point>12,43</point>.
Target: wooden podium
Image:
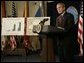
<point>47,53</point>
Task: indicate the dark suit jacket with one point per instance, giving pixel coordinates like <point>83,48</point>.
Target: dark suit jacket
<point>67,24</point>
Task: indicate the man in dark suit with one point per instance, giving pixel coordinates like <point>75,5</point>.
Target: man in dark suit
<point>65,22</point>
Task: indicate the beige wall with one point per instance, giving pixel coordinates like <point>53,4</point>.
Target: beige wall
<point>20,8</point>
<point>33,7</point>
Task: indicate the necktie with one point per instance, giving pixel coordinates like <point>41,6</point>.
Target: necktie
<point>60,21</point>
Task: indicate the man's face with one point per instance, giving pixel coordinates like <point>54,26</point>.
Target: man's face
<point>60,8</point>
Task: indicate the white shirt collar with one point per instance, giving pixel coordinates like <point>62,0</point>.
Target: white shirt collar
<point>63,13</point>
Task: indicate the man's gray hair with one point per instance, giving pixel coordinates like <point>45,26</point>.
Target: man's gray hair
<point>61,4</point>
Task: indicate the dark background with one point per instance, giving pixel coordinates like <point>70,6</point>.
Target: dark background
<point>52,13</point>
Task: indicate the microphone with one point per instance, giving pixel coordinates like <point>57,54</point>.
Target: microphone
<point>44,20</point>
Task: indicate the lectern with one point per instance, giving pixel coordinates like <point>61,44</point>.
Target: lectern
<point>46,32</point>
